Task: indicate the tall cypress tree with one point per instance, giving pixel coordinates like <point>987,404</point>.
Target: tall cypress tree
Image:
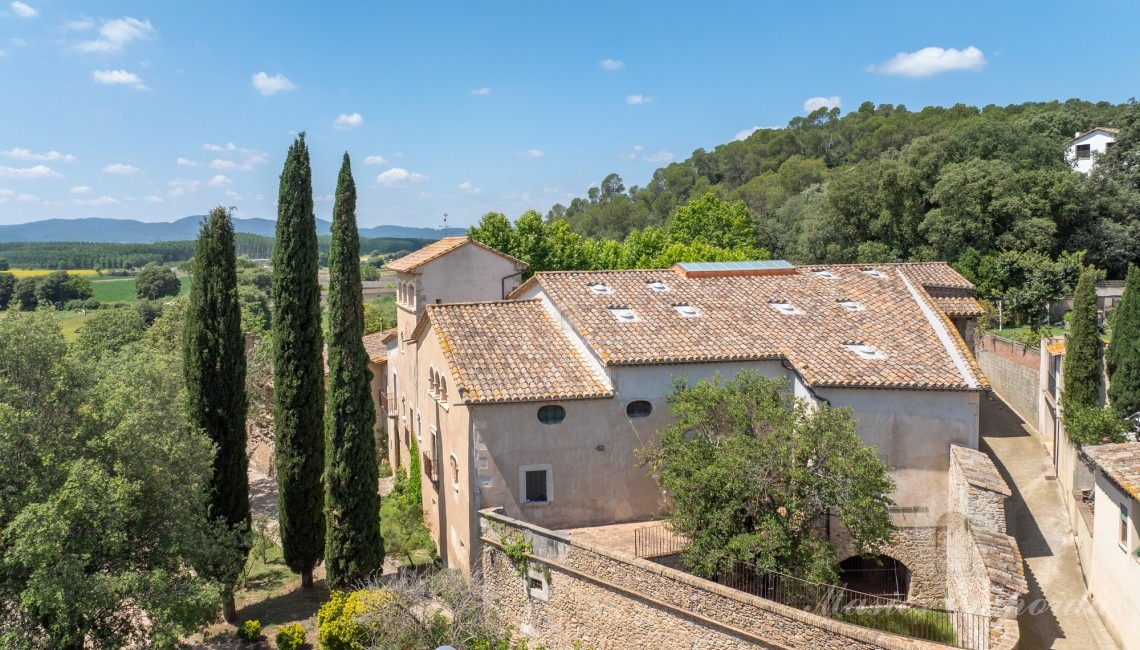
<point>298,370</point>
<point>1123,355</point>
<point>353,547</point>
<point>214,369</point>
<point>1082,351</point>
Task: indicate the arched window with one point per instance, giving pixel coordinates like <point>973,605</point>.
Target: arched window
<point>454,471</point>
<point>442,390</point>
<point>551,414</point>
<point>638,409</point>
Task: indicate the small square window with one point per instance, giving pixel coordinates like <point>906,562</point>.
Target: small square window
<point>1084,151</point>
<point>1124,525</point>
<point>536,484</point>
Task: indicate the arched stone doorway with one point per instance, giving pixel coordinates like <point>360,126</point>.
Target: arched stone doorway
<point>877,575</point>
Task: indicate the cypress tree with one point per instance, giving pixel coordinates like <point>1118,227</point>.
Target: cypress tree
<point>353,547</point>
<point>298,369</point>
<point>1123,355</point>
<point>1082,351</point>
<point>214,369</point>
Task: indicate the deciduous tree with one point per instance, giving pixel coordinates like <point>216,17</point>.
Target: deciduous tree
<point>154,282</point>
<point>1123,355</point>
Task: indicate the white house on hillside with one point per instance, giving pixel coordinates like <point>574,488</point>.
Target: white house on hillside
<point>1080,150</point>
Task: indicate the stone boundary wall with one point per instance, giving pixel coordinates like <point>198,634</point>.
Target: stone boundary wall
<point>920,548</point>
<point>984,572</point>
<point>1014,372</point>
<point>575,592</point>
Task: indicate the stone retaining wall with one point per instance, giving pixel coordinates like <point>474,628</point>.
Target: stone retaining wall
<point>574,592</point>
<point>984,572</point>
<point>1014,372</point>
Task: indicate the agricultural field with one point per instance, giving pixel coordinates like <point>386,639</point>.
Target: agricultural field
<point>30,273</point>
<point>123,289</point>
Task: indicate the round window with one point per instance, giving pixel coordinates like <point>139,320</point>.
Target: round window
<point>551,414</point>
<point>639,409</point>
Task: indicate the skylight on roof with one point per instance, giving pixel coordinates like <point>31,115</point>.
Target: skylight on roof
<point>785,308</point>
<point>624,315</point>
<point>657,286</point>
<point>825,274</point>
<point>850,305</point>
<point>600,289</point>
<point>687,310</point>
<point>866,351</point>
<point>874,273</point>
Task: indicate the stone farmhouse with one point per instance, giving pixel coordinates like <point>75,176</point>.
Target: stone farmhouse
<point>534,396</point>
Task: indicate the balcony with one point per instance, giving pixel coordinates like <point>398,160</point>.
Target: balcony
<point>430,468</point>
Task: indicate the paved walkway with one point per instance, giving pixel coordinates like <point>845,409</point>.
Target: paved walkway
<point>1037,518</point>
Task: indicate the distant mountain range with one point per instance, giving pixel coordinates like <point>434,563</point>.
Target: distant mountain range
<point>129,231</point>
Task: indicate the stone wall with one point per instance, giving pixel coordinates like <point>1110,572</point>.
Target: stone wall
<point>1014,372</point>
<point>984,573</point>
<point>575,592</point>
<point>921,548</point>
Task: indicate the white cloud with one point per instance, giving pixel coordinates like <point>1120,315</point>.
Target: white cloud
<point>153,198</point>
<point>237,158</point>
<point>375,160</point>
<point>632,155</point>
<point>118,78</point>
<point>638,100</point>
<point>217,147</point>
<point>930,61</point>
<point>38,171</point>
<point>231,165</point>
<point>102,200</point>
<point>115,34</point>
<point>186,162</point>
<point>530,153</point>
<point>27,198</point>
<point>743,135</point>
<point>423,196</point>
<point>78,25</point>
<point>27,154</point>
<point>267,85</point>
<point>481,91</point>
<point>813,104</point>
<point>218,181</point>
<point>121,169</point>
<point>80,189</point>
<point>347,121</point>
<point>22,10</point>
<point>230,194</point>
<point>182,186</point>
<point>324,198</point>
<point>611,64</point>
<point>397,177</point>
<point>468,188</point>
<point>659,157</point>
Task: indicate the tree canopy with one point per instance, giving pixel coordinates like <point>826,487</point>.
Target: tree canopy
<point>751,470</point>
<point>154,282</point>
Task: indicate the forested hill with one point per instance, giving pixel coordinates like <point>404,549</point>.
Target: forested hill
<point>885,183</point>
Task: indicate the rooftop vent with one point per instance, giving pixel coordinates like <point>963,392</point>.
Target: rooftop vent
<point>865,351</point>
<point>687,310</point>
<point>600,289</point>
<point>623,315</point>
<point>850,305</point>
<point>785,308</point>
<point>733,269</point>
<point>825,274</point>
<point>657,286</point>
<point>874,273</point>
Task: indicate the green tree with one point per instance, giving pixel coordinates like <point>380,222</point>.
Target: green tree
<point>213,359</point>
<point>255,311</point>
<point>24,293</point>
<point>353,547</point>
<point>109,331</point>
<point>1082,370</point>
<point>1123,354</point>
<point>154,282</point>
<point>7,289</point>
<point>298,371</point>
<point>55,288</point>
<point>711,221</point>
<point>100,545</point>
<point>751,469</point>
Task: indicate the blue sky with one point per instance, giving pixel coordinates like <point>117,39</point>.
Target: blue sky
<point>159,110</point>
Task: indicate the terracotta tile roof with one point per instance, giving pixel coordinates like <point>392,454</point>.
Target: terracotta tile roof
<point>1106,129</point>
<point>958,306</point>
<point>1120,463</point>
<point>1001,557</point>
<point>438,249</point>
<point>979,470</point>
<point>375,347</point>
<point>736,322</point>
<point>511,351</point>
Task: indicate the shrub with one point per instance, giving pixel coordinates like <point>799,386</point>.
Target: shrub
<point>1089,425</point>
<point>250,631</point>
<point>385,469</point>
<point>338,624</point>
<point>290,637</point>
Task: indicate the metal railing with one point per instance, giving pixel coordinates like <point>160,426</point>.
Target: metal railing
<point>657,541</point>
<point>384,399</point>
<point>429,468</point>
<point>887,611</point>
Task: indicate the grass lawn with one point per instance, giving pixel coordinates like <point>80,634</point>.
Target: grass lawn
<point>923,624</point>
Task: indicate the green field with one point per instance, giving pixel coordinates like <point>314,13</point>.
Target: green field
<point>123,289</point>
